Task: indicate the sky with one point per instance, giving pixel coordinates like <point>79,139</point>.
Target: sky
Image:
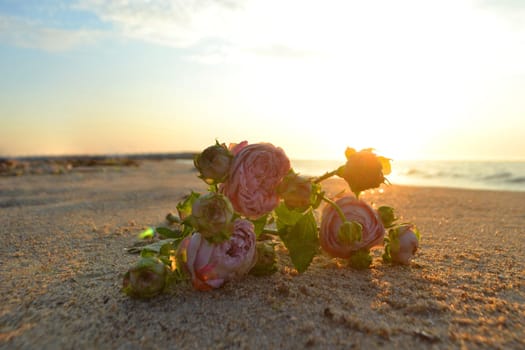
<point>413,79</point>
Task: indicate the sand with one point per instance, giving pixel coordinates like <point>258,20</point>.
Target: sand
<point>62,257</point>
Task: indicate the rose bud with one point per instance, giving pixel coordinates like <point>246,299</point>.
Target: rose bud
<point>364,170</point>
<point>336,237</point>
<point>266,263</point>
<point>214,163</point>
<point>296,191</point>
<point>211,265</point>
<point>256,172</point>
<point>404,242</point>
<point>145,279</point>
<point>211,216</point>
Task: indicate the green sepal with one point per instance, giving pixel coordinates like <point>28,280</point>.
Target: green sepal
<point>317,195</point>
<point>387,257</point>
<point>259,224</point>
<point>417,233</point>
<point>361,259</point>
<point>218,237</point>
<point>168,233</point>
<point>160,247</point>
<point>301,239</point>
<point>184,206</point>
<point>188,225</point>
<point>266,259</point>
<point>387,215</point>
<point>286,217</point>
<point>212,186</point>
<point>173,219</point>
<point>350,232</point>
<point>149,278</point>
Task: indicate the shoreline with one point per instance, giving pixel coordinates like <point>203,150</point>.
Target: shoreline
<point>511,180</point>
<point>64,255</point>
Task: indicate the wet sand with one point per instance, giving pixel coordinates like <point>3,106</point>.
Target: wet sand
<point>63,255</point>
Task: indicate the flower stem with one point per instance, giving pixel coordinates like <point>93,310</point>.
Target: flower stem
<point>336,207</point>
<point>325,176</point>
<point>270,231</point>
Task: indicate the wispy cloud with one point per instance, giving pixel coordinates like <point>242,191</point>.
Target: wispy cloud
<point>237,28</point>
<point>31,34</point>
<point>170,23</point>
<point>214,31</point>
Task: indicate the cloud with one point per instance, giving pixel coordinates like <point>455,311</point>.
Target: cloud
<point>215,31</point>
<point>178,24</point>
<point>31,34</point>
<point>236,29</point>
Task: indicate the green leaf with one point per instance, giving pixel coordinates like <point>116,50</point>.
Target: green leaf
<point>259,224</point>
<point>301,240</point>
<point>156,247</point>
<point>147,233</point>
<point>184,207</point>
<point>166,232</point>
<point>286,217</point>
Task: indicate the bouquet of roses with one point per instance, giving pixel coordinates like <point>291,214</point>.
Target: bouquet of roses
<point>253,193</point>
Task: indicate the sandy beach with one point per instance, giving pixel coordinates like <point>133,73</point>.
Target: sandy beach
<point>63,255</point>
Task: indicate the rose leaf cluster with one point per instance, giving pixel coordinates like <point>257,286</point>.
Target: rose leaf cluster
<point>298,231</point>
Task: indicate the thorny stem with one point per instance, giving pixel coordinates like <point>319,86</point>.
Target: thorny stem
<point>325,176</point>
<point>336,207</point>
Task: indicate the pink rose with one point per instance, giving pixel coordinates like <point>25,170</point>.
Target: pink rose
<point>354,210</point>
<point>404,242</point>
<point>256,172</point>
<point>210,265</point>
<point>237,147</point>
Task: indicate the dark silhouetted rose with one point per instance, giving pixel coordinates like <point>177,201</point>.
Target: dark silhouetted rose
<point>364,170</point>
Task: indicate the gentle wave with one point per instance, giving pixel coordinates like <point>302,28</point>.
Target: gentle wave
<point>492,175</point>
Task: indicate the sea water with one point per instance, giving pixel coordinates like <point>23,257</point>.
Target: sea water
<point>488,175</point>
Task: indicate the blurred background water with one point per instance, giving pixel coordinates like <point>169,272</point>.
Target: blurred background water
<point>490,175</point>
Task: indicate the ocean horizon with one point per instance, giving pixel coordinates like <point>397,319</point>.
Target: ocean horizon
<point>506,175</point>
<point>468,174</point>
